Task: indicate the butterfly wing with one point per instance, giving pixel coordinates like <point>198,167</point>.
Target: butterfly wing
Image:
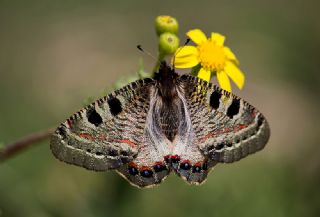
<point>150,167</point>
<point>106,134</point>
<point>226,127</point>
<point>114,133</point>
<point>217,127</point>
<point>192,164</point>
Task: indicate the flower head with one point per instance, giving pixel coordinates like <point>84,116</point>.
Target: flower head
<point>168,43</point>
<point>166,23</point>
<point>213,57</point>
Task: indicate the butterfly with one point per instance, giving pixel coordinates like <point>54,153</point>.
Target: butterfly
<point>154,126</point>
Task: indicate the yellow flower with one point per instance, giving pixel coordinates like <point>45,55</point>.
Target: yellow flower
<point>213,57</point>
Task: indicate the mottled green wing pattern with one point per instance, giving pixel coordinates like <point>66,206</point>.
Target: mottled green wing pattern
<point>226,128</point>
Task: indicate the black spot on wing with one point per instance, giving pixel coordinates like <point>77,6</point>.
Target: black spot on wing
<point>61,131</point>
<point>146,173</point>
<point>233,108</point>
<point>133,171</point>
<point>215,99</point>
<point>94,117</point>
<point>260,120</point>
<point>114,105</point>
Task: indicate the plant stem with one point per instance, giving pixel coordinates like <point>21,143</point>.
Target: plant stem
<point>22,144</point>
<point>161,57</point>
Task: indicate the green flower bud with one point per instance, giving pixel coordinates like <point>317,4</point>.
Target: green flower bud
<point>166,24</point>
<point>168,43</point>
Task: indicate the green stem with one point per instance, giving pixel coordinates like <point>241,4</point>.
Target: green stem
<point>161,57</point>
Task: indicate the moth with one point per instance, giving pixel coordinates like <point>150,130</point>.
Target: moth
<point>154,126</point>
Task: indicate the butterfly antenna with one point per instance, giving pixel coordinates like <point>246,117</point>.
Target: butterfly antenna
<point>146,52</point>
<point>159,63</point>
<point>174,57</point>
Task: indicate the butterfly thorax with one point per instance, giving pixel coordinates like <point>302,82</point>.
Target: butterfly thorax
<point>170,103</point>
<point>167,83</point>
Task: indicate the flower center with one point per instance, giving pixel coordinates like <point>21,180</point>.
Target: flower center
<point>211,56</point>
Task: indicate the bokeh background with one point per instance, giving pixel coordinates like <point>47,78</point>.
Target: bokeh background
<point>56,54</point>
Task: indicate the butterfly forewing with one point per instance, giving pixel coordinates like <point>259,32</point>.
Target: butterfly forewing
<point>226,127</point>
<point>106,134</point>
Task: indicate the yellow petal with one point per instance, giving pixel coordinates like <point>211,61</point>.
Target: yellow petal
<point>204,74</point>
<point>186,51</point>
<point>197,36</point>
<point>224,81</point>
<point>186,63</point>
<point>186,57</point>
<point>230,55</point>
<point>217,38</point>
<point>235,74</point>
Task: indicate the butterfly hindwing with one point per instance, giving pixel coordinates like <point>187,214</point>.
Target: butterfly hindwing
<point>192,165</point>
<point>226,127</point>
<point>150,166</point>
<point>106,134</point>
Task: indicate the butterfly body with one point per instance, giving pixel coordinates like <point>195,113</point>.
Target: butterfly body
<point>152,127</point>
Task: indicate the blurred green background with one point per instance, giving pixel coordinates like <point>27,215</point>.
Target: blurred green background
<point>55,54</point>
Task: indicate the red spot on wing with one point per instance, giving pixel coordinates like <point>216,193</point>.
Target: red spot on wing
<point>145,168</point>
<point>166,158</point>
<point>102,138</point>
<point>253,114</point>
<point>186,161</point>
<point>175,157</point>
<point>158,163</point>
<point>69,123</point>
<point>222,131</point>
<point>87,136</point>
<point>132,164</point>
<point>198,164</point>
<point>239,127</point>
<point>130,143</point>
